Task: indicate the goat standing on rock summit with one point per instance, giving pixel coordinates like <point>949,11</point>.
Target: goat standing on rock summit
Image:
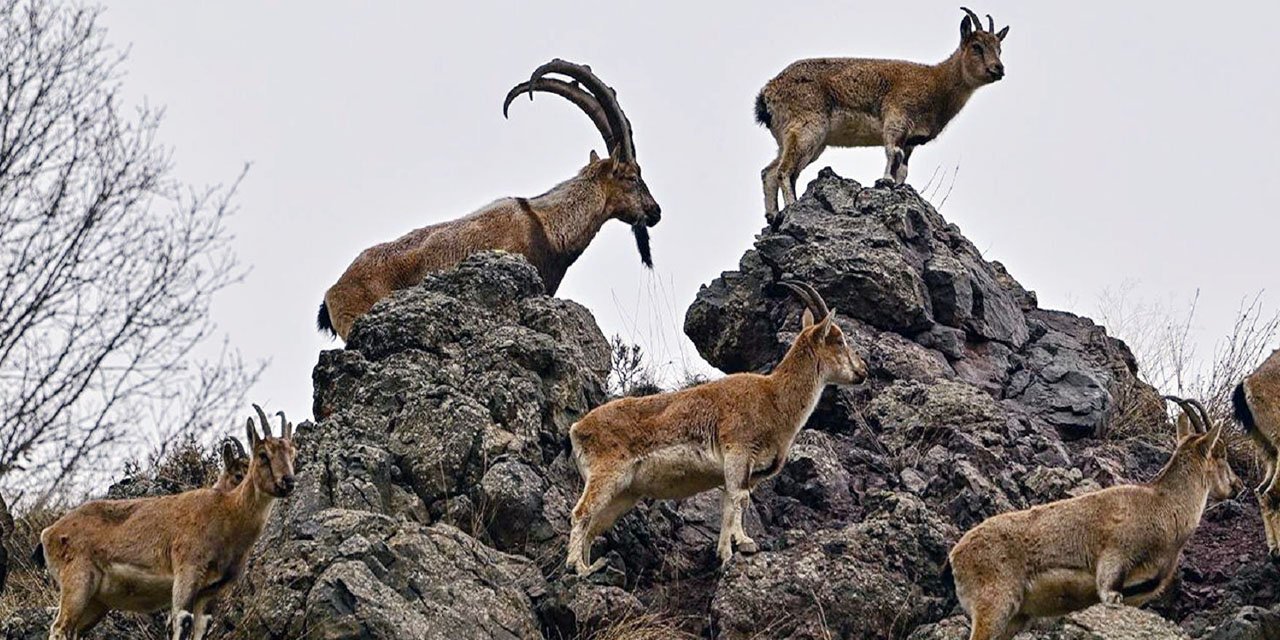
<point>731,433</point>
<point>550,230</point>
<point>859,102</point>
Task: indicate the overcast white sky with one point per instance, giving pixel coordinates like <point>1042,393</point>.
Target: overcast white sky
<point>1130,142</point>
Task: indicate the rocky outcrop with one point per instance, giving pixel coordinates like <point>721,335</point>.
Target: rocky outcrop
<point>435,484</point>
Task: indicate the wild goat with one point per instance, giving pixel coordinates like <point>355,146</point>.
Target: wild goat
<point>550,230</point>
<point>235,465</point>
<point>860,102</point>
<point>178,551</point>
<point>1257,407</point>
<point>1116,545</point>
<point>730,433</point>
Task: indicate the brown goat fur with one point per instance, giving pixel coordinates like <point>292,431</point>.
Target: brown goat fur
<point>550,230</point>
<point>1257,407</point>
<point>180,551</point>
<point>731,433</point>
<point>1117,545</point>
<point>861,102</point>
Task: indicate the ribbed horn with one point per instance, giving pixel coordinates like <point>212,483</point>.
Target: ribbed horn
<point>603,94</point>
<point>286,427</point>
<point>822,310</point>
<point>573,93</point>
<point>991,22</point>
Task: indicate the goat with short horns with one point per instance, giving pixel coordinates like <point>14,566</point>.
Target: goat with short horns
<point>179,551</point>
<point>1257,407</point>
<point>550,230</point>
<point>1119,545</point>
<point>860,102</point>
<point>730,433</point>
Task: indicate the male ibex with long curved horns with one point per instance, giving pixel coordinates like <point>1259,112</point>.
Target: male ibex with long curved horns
<point>1117,545</point>
<point>550,230</point>
<point>731,433</point>
<point>860,102</point>
<point>1257,407</point>
<point>180,551</point>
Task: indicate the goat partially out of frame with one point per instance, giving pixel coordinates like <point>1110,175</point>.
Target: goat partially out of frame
<point>860,102</point>
<point>180,551</point>
<point>550,230</point>
<point>731,433</point>
<point>1257,407</point>
<point>1117,545</point>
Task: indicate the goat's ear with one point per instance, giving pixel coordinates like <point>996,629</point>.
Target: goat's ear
<point>966,28</point>
<point>1212,439</point>
<point>595,157</point>
<point>806,319</point>
<point>1184,427</point>
<point>1002,33</point>
<point>251,433</point>
<point>824,328</point>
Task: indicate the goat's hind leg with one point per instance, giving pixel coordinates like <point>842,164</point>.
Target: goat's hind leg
<point>77,611</point>
<point>801,145</point>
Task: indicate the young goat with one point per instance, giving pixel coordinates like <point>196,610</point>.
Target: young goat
<point>859,102</point>
<point>1257,407</point>
<point>730,433</point>
<point>550,230</point>
<point>178,551</point>
<point>235,465</point>
<point>1117,545</point>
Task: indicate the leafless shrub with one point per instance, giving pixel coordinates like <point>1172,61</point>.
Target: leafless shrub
<point>630,373</point>
<point>1163,339</point>
<point>646,626</point>
<point>107,265</point>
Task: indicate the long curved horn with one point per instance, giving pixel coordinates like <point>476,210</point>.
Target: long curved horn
<point>1204,415</point>
<point>286,427</point>
<point>992,22</point>
<point>977,24</point>
<point>573,93</point>
<point>1190,410</point>
<point>804,294</point>
<point>262,417</point>
<point>822,309</point>
<point>603,94</point>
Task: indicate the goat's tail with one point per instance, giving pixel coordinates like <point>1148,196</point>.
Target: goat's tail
<point>37,556</point>
<point>323,323</point>
<point>763,116</point>
<point>1240,404</point>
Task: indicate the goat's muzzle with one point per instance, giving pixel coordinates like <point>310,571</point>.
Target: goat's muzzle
<point>996,72</point>
<point>652,215</point>
<point>285,486</point>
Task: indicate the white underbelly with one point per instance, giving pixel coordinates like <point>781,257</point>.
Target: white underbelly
<point>855,130</point>
<point>134,588</point>
<point>677,472</point>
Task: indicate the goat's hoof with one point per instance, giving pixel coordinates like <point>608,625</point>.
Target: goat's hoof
<point>1274,555</point>
<point>747,546</point>
<point>886,183</point>
<point>586,570</point>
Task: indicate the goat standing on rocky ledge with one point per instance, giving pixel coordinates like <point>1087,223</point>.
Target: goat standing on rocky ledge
<point>180,551</point>
<point>550,230</point>
<point>730,433</point>
<point>860,102</point>
<point>1117,545</point>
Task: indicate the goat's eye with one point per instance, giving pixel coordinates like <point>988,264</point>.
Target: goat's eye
<point>262,457</point>
<point>977,48</point>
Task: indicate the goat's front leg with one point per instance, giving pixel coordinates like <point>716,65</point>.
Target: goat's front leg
<point>1269,505</point>
<point>895,136</point>
<point>186,586</point>
<point>1110,577</point>
<point>737,471</point>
